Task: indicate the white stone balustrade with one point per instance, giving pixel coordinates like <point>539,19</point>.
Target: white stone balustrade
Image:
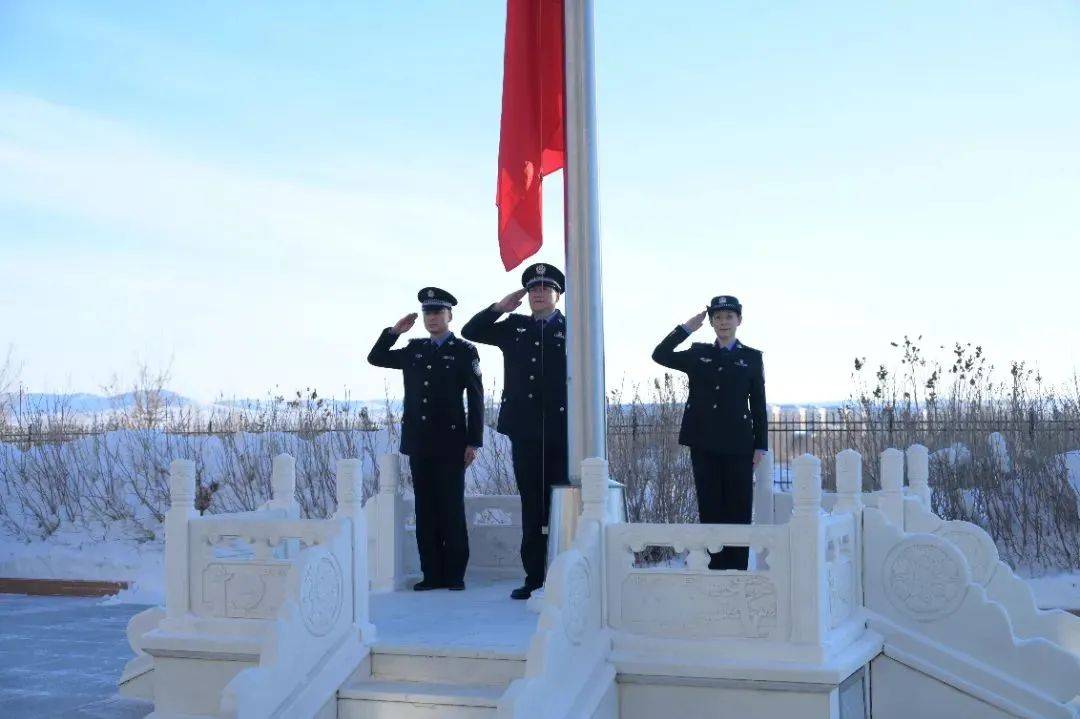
<point>799,604</point>
<point>256,600</point>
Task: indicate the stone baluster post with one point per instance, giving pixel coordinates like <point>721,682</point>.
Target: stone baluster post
<point>389,529</point>
<point>177,541</point>
<point>849,482</point>
<point>849,499</point>
<point>283,485</point>
<point>350,505</point>
<point>763,490</point>
<point>891,496</point>
<point>807,542</point>
<point>918,473</point>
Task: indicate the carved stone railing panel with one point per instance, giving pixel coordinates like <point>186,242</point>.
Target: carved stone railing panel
<point>691,601</point>
<point>239,565</point>
<point>841,566</point>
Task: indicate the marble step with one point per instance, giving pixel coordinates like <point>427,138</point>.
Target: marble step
<point>446,666</point>
<point>375,699</point>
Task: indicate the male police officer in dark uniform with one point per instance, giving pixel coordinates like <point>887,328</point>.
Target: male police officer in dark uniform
<point>436,434</point>
<point>533,409</point>
<point>724,423</point>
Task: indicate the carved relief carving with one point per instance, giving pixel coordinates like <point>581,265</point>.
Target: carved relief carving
<point>923,580</point>
<point>699,606</point>
<point>839,575</point>
<point>975,545</point>
<point>321,595</point>
<point>578,593</point>
<point>243,590</point>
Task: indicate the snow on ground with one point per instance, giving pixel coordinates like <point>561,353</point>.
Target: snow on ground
<point>72,555</point>
<point>61,657</point>
<point>1060,591</point>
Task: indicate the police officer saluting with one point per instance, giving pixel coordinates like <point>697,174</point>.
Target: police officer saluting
<point>724,423</point>
<point>440,440</point>
<point>533,409</point>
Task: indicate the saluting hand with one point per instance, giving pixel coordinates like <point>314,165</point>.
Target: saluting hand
<point>470,455</point>
<point>512,301</point>
<point>404,324</point>
<point>694,323</point>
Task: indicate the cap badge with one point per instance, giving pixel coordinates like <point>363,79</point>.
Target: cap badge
<point>431,293</point>
<point>722,300</point>
<point>541,269</point>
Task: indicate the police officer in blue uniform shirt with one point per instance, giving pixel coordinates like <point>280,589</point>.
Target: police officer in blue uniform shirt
<point>724,423</point>
<point>533,408</point>
<point>437,435</point>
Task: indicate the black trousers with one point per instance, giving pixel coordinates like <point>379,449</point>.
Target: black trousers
<point>537,466</point>
<point>725,495</point>
<point>442,535</point>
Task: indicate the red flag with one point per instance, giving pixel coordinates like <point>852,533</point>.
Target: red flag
<point>532,140</point>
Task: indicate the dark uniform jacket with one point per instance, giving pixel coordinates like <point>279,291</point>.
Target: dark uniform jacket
<point>725,412</point>
<point>434,421</point>
<point>533,403</point>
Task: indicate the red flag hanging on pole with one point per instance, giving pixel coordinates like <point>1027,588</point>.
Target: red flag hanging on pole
<point>532,140</point>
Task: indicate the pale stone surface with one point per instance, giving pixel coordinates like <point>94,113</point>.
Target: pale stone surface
<point>482,618</point>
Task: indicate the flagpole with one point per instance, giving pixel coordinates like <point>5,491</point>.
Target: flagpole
<point>586,392</point>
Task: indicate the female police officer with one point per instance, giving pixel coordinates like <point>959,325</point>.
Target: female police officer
<point>724,423</point>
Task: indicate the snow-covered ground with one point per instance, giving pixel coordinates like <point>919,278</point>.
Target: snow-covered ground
<point>61,657</point>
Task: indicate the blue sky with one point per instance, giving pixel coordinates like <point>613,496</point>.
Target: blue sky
<point>251,191</point>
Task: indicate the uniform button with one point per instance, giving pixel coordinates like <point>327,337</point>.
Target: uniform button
<point>744,416</point>
<point>423,416</point>
<point>530,396</point>
<point>429,366</point>
<point>717,386</point>
<point>425,400</point>
<point>536,343</point>
<point>425,383</point>
<point>453,426</point>
<point>714,406</point>
<point>562,409</point>
<point>534,359</point>
<point>532,376</point>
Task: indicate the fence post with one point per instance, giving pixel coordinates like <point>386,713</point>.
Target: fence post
<point>763,490</point>
<point>389,532</point>
<point>177,540</point>
<point>350,499</point>
<point>283,485</point>
<point>807,542</point>
<point>918,473</point>
<point>891,496</point>
<point>849,482</point>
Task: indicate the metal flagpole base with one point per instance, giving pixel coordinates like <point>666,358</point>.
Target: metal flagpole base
<point>563,519</point>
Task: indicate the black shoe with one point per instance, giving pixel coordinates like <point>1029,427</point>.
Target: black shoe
<point>523,592</point>
<point>456,586</point>
<point>426,585</point>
